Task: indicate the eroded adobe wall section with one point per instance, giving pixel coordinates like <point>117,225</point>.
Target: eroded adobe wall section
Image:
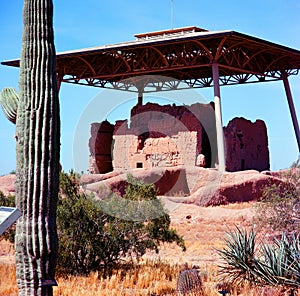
<point>246,145</point>
<point>100,145</point>
<point>169,151</point>
<point>186,130</point>
<point>170,135</point>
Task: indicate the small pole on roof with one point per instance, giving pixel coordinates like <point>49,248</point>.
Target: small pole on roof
<point>172,14</point>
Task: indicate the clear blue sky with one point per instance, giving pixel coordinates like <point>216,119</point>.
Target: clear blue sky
<point>81,24</point>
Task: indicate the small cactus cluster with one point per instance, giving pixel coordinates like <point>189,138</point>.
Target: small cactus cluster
<point>9,100</point>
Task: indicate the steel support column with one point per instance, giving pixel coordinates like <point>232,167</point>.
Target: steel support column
<point>218,114</point>
<point>292,107</point>
<point>140,97</point>
<point>140,87</point>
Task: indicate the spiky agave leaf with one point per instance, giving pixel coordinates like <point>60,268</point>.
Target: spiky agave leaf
<point>295,255</point>
<point>239,256</point>
<point>270,267</point>
<point>289,251</point>
<point>9,100</point>
<point>281,262</point>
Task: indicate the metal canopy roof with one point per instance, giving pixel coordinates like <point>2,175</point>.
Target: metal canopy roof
<point>184,54</point>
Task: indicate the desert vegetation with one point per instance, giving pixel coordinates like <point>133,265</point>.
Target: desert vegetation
<point>231,249</point>
<point>99,235</point>
<point>279,209</point>
<point>275,260</point>
<point>274,264</point>
<point>147,278</point>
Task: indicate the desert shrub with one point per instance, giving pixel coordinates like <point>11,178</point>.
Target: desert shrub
<point>279,209</point>
<point>273,264</point>
<point>79,244</point>
<point>69,184</point>
<point>8,201</point>
<point>97,235</point>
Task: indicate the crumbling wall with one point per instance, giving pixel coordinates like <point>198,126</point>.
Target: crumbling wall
<point>124,146</point>
<point>170,120</point>
<point>168,151</point>
<point>246,145</point>
<point>100,144</point>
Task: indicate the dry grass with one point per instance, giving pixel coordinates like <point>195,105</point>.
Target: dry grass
<point>8,286</point>
<point>148,279</point>
<point>239,205</point>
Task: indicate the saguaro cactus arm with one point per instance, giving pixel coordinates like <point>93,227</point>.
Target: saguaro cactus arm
<point>9,100</point>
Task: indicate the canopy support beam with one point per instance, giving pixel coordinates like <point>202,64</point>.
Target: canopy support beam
<point>140,96</point>
<point>218,114</point>
<point>291,106</point>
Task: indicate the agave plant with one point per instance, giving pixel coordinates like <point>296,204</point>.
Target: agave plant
<point>239,256</point>
<point>294,258</point>
<point>277,264</point>
<point>281,262</point>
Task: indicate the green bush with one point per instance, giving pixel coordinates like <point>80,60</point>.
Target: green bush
<point>8,201</point>
<point>97,235</point>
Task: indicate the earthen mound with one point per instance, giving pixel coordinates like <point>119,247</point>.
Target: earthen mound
<point>200,186</point>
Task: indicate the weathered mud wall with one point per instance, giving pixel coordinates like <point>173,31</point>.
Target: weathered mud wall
<point>170,136</point>
<point>246,145</point>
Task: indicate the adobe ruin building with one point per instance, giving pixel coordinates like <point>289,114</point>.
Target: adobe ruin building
<point>170,136</point>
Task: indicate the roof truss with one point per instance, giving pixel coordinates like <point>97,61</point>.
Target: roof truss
<point>240,61</point>
<point>187,57</point>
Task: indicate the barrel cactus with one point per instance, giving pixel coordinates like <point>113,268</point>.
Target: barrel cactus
<point>189,283</point>
<point>38,149</point>
<point>9,100</point>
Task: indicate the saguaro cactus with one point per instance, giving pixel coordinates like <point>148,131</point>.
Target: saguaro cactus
<point>38,145</point>
<point>9,100</point>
